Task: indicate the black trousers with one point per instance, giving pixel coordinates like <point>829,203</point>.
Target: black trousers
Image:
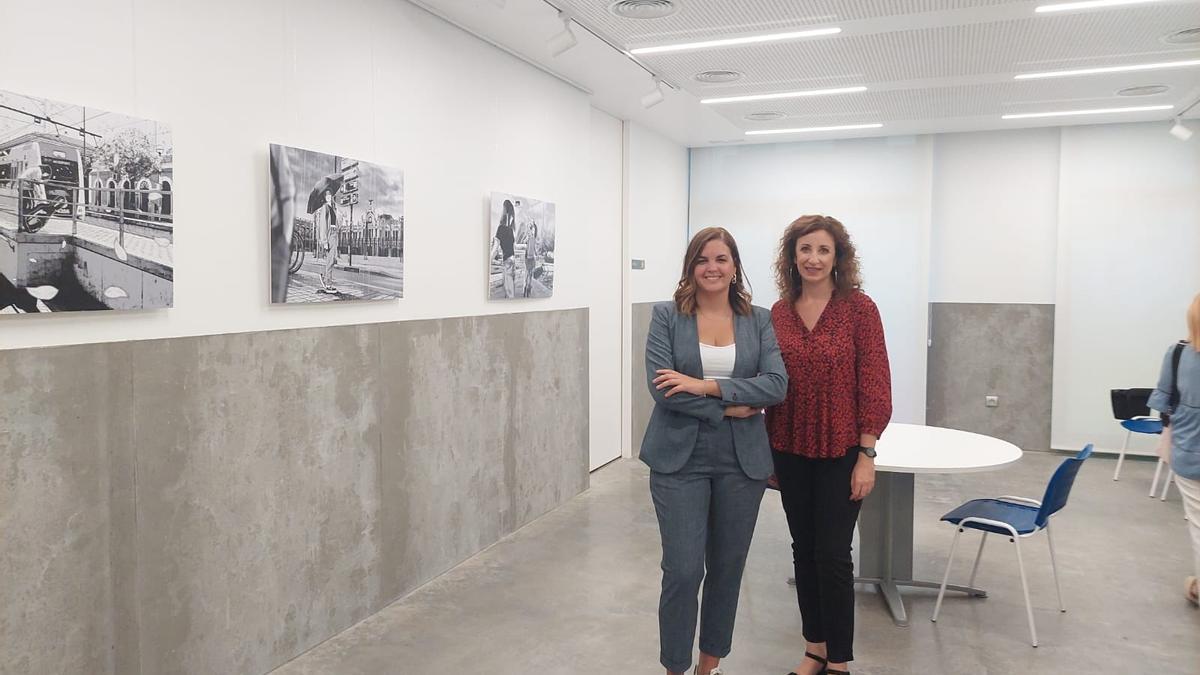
<point>821,517</point>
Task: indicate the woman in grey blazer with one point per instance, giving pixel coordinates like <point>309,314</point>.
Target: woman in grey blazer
<point>712,364</point>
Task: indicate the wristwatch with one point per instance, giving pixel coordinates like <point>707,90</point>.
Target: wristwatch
<point>869,452</point>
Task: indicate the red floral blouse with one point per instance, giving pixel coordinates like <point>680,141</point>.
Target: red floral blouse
<point>839,380</point>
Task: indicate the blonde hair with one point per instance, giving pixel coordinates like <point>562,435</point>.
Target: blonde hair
<point>1193,322</point>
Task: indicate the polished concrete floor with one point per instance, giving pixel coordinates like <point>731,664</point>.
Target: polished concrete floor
<point>576,592</point>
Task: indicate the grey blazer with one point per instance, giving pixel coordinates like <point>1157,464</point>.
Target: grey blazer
<point>759,380</point>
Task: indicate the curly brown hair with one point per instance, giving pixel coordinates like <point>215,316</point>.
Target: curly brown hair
<point>846,276</point>
<point>685,291</point>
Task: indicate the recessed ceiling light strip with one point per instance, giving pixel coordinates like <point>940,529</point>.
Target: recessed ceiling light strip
<point>843,127</point>
<point>1095,111</point>
<point>1110,69</point>
<point>733,42</point>
<point>1088,4</point>
<point>786,94</point>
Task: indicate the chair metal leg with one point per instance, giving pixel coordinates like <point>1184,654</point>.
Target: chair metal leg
<point>1025,587</point>
<point>1054,567</point>
<point>1121,457</point>
<point>1154,483</point>
<point>978,557</point>
<point>1167,483</point>
<point>946,578</point>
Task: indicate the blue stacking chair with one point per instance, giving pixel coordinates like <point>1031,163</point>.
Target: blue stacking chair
<point>1130,408</point>
<point>1151,426</point>
<point>1016,518</point>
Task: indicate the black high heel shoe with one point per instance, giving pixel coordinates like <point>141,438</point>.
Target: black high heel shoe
<point>818,659</point>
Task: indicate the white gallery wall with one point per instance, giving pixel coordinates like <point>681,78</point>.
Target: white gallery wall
<point>1101,221</point>
<point>1128,265</point>
<point>995,214</point>
<point>656,214</point>
<point>378,80</point>
<point>879,189</point>
<point>656,185</point>
<point>606,264</point>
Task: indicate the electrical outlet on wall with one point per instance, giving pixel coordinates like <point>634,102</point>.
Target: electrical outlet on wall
<point>991,400</point>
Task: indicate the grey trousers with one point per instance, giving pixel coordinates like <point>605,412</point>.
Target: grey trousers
<point>706,516</point>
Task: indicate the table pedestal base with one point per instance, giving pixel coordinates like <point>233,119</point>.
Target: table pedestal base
<point>890,590</point>
<point>885,528</point>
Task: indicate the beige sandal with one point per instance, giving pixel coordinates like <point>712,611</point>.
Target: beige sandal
<point>1191,590</point>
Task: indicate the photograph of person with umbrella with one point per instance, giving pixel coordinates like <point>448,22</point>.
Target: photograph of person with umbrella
<point>322,199</point>
<point>351,221</point>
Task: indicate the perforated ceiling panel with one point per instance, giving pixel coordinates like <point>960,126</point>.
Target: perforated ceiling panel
<point>1007,48</point>
<point>971,100</point>
<point>703,19</point>
<point>920,59</point>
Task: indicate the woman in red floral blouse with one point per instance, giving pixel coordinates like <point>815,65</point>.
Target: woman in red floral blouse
<point>839,401</point>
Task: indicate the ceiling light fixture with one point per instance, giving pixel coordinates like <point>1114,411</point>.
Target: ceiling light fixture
<point>733,42</point>
<point>786,94</point>
<point>1143,90</point>
<point>1187,36</point>
<point>765,116</point>
<point>655,96</point>
<point>564,39</point>
<point>843,127</point>
<point>717,76</point>
<point>1178,130</point>
<point>1088,4</point>
<point>1110,69</point>
<point>1095,111</point>
<point>643,9</point>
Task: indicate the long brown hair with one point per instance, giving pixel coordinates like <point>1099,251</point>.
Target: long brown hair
<point>846,276</point>
<point>685,291</point>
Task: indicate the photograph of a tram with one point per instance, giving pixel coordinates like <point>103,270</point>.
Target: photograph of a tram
<point>86,208</point>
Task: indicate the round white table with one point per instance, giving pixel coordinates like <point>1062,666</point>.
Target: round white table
<point>885,524</point>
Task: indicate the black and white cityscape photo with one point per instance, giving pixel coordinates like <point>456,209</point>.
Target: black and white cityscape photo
<point>337,228</point>
<point>86,208</point>
<point>521,253</point>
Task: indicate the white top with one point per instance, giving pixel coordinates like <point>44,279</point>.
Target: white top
<point>916,448</point>
<point>717,361</point>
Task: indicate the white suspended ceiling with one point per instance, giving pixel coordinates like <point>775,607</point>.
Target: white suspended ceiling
<point>928,65</point>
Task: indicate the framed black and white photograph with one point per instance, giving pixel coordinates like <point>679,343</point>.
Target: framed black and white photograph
<point>337,228</point>
<point>521,253</point>
<point>87,212</point>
